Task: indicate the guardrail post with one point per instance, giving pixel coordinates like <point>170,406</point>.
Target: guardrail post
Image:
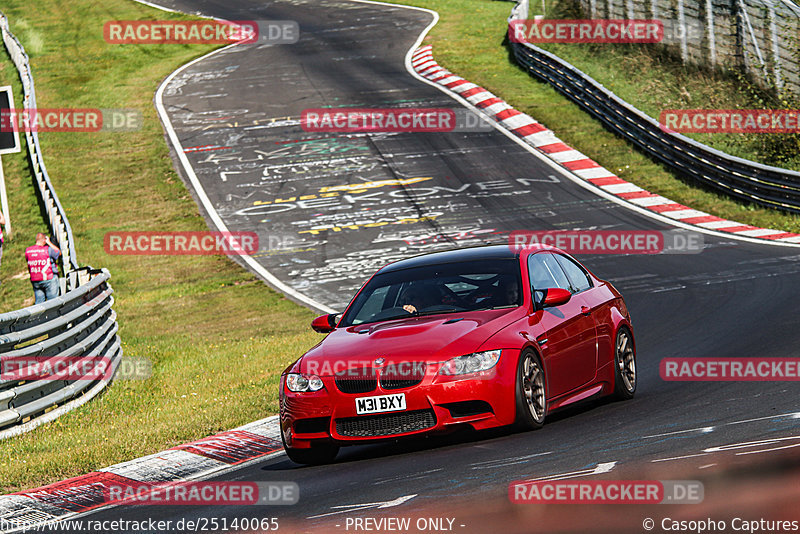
<point>712,48</point>
<point>682,31</point>
<point>774,41</point>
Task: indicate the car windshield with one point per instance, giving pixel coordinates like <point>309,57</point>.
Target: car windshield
<point>435,289</point>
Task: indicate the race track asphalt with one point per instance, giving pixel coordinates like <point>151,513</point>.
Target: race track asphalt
<point>317,200</point>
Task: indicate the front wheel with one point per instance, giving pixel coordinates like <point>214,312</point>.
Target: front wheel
<point>321,454</point>
<point>530,392</point>
<point>624,365</point>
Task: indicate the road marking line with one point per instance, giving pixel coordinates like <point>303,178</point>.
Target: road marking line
<point>358,507</point>
<point>597,470</point>
<point>704,430</point>
<point>679,457</point>
<point>502,462</point>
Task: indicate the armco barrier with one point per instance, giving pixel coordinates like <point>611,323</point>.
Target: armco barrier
<point>772,187</point>
<point>79,325</point>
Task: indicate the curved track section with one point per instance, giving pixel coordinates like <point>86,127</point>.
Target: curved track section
<point>335,207</point>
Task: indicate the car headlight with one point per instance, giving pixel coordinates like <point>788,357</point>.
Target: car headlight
<point>471,363</point>
<point>303,383</point>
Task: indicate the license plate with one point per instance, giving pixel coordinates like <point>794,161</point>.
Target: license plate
<point>381,403</point>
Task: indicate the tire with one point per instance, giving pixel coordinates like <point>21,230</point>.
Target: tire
<point>323,453</point>
<point>624,365</point>
<point>531,398</point>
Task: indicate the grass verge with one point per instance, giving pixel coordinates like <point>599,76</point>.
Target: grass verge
<point>470,41</point>
<point>217,337</point>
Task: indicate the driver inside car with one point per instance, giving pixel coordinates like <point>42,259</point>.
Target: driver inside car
<point>508,293</point>
<point>504,294</point>
<point>418,297</point>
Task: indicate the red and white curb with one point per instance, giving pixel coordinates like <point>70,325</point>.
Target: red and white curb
<point>546,142</point>
<point>196,460</point>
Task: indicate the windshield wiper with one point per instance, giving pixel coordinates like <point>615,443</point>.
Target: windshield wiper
<point>434,312</point>
<point>504,306</point>
<point>410,315</point>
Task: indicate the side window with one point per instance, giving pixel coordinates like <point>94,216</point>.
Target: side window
<point>544,272</point>
<point>577,276</point>
<point>555,270</point>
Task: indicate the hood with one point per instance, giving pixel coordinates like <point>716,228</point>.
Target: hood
<point>417,339</point>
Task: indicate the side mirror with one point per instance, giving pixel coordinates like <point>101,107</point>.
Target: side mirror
<point>555,296</point>
<point>324,323</point>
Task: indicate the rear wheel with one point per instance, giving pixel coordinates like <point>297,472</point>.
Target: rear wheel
<point>323,453</point>
<point>624,365</point>
<point>530,392</point>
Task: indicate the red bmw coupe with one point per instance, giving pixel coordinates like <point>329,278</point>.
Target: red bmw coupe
<point>486,337</point>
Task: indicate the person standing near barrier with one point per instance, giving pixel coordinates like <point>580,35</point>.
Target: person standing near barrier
<point>42,266</point>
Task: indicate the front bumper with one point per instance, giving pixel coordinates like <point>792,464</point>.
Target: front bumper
<point>481,400</point>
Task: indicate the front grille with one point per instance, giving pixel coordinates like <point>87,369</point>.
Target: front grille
<point>391,383</point>
<point>385,424</point>
<point>347,384</point>
<point>401,377</point>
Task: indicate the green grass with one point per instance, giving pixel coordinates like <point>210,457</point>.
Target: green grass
<point>217,337</point>
<point>653,79</point>
<point>470,41</point>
